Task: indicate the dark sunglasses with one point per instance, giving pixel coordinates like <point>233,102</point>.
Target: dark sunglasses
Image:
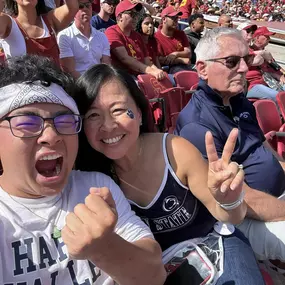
<point>233,60</point>
<point>85,5</point>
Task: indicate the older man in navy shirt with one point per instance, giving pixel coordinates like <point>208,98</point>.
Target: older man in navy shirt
<point>219,105</point>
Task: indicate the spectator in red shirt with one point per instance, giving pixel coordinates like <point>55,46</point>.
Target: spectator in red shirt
<point>265,80</point>
<point>173,45</point>
<point>128,50</point>
<point>145,26</point>
<point>187,7</point>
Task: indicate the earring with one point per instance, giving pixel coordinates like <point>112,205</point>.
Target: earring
<point>141,123</point>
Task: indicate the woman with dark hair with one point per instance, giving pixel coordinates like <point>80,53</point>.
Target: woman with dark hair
<point>29,28</point>
<point>165,178</point>
<point>145,26</point>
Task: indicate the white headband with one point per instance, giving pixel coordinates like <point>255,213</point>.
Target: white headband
<point>17,95</point>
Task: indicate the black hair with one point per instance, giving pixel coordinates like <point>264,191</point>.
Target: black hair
<point>194,17</point>
<point>139,24</point>
<point>87,89</point>
<point>30,68</point>
<point>12,7</point>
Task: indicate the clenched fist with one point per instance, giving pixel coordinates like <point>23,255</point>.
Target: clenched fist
<point>91,224</point>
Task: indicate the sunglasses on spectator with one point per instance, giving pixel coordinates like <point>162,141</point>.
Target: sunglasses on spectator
<point>234,60</point>
<point>132,13</point>
<point>85,5</point>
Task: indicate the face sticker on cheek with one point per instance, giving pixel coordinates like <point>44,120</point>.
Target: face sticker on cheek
<point>130,114</point>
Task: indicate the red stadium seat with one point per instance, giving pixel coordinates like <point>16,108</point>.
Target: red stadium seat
<point>186,79</point>
<point>170,100</point>
<point>151,87</point>
<point>270,123</point>
<point>175,100</point>
<point>281,103</point>
<point>267,278</point>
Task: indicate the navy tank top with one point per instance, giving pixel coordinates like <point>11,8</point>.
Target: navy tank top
<point>175,214</point>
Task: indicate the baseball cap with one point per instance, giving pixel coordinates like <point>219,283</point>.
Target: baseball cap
<point>262,31</point>
<point>246,26</point>
<point>170,11</point>
<point>126,5</point>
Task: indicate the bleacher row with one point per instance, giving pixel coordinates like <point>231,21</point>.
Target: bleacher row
<point>167,101</point>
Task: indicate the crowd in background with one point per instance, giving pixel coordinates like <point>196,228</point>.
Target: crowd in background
<point>259,10</point>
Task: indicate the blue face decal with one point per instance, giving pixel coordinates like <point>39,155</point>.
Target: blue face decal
<point>130,113</point>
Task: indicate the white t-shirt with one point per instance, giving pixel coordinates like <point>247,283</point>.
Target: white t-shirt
<point>14,44</point>
<point>86,51</point>
<point>28,253</point>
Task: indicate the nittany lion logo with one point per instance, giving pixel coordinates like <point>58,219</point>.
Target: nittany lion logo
<point>170,203</point>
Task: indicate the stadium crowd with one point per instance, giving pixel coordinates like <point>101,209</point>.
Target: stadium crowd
<point>101,182</point>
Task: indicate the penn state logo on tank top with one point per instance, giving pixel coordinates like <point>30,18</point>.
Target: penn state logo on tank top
<point>175,214</point>
<point>175,208</point>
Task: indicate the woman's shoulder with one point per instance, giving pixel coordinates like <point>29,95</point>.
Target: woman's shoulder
<point>180,150</point>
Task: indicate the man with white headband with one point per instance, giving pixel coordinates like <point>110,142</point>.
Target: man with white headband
<point>60,226</point>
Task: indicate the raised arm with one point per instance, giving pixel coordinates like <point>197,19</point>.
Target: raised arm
<point>5,22</point>
<point>61,17</point>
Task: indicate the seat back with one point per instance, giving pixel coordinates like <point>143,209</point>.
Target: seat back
<point>175,100</point>
<point>268,119</point>
<point>280,97</point>
<point>151,87</point>
<point>267,115</point>
<point>186,79</point>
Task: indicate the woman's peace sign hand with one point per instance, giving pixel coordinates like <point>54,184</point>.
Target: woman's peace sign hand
<point>225,178</point>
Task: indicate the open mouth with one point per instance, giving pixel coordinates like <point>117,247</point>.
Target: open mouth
<point>50,165</point>
<point>112,140</point>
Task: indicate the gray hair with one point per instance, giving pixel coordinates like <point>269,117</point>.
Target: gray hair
<point>208,47</point>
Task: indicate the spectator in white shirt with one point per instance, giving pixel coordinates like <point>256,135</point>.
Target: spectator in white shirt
<point>80,45</point>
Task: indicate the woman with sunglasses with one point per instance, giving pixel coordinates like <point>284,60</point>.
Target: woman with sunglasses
<point>29,28</point>
<point>145,26</point>
<point>128,50</point>
<point>165,178</point>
